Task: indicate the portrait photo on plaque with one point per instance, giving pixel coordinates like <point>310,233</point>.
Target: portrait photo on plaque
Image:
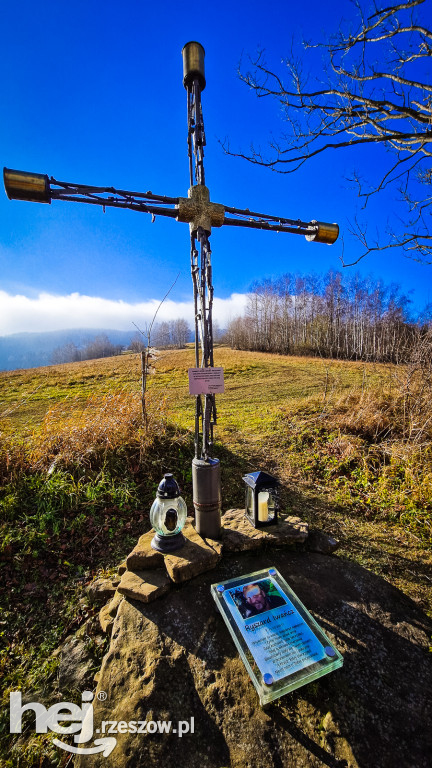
<point>276,634</point>
<point>257,597</point>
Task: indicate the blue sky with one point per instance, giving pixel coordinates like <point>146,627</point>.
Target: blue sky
<point>92,93</point>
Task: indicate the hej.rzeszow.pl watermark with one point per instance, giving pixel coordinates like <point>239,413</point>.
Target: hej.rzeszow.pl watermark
<point>81,719</point>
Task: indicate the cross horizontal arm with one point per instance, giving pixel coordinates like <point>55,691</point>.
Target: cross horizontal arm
<point>314,231</point>
<point>295,228</point>
<point>37,187</point>
<point>85,189</point>
<point>247,213</point>
<point>197,209</point>
<point>317,231</point>
<point>112,202</point>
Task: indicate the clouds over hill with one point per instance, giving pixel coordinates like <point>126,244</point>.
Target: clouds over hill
<point>50,312</point>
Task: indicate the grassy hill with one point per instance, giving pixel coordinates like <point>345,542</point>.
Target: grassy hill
<point>79,473</point>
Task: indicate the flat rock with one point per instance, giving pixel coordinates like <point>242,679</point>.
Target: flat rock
<point>239,535</point>
<point>100,590</point>
<point>76,664</point>
<point>122,568</point>
<point>289,530</point>
<point>143,556</point>
<point>321,542</point>
<point>108,612</point>
<point>174,659</point>
<point>197,556</point>
<point>144,586</point>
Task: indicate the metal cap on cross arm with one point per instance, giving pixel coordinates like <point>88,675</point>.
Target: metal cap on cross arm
<point>325,233</point>
<point>22,185</point>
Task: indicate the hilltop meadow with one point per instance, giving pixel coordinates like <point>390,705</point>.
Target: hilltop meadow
<point>351,443</point>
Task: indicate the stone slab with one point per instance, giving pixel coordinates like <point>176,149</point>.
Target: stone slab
<point>100,590</point>
<point>319,541</point>
<point>143,556</point>
<point>239,535</point>
<point>197,556</point>
<point>108,612</point>
<point>76,664</point>
<point>144,586</point>
<point>289,530</point>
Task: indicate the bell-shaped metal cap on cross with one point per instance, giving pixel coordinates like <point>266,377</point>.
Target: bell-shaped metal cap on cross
<point>21,185</point>
<point>193,64</point>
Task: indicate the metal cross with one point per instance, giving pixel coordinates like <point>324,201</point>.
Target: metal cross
<point>201,215</point>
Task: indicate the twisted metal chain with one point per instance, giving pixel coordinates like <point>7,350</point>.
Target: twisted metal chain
<point>201,271</point>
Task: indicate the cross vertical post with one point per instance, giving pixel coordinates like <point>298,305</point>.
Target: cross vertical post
<point>205,469</point>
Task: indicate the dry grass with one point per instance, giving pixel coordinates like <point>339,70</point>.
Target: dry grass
<point>259,384</point>
<point>362,432</point>
<point>27,395</point>
<point>72,430</point>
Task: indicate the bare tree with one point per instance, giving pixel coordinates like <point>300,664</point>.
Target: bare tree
<point>173,333</point>
<point>179,332</point>
<point>101,346</point>
<point>145,353</point>
<point>162,335</point>
<point>217,333</point>
<point>68,353</point>
<point>137,344</point>
<point>374,90</point>
<point>338,316</point>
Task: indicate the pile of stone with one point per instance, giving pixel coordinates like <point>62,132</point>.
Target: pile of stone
<point>147,574</point>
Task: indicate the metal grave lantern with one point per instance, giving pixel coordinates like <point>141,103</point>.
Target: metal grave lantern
<point>167,516</point>
<point>262,499</point>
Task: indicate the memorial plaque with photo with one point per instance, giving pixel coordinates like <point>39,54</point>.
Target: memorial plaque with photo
<point>280,643</point>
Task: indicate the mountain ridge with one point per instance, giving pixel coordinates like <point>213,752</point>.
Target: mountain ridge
<point>33,350</point>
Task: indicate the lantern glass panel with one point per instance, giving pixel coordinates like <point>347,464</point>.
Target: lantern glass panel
<point>262,499</point>
<point>250,502</point>
<point>266,505</point>
<point>168,516</point>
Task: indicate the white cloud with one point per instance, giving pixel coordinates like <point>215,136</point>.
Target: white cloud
<point>48,312</point>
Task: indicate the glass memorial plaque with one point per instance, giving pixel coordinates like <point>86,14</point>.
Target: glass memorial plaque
<point>281,644</point>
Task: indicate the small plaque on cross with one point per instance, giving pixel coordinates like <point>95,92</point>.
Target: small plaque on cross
<point>206,381</point>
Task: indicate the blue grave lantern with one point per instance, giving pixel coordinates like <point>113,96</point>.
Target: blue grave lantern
<point>262,499</point>
<point>167,516</point>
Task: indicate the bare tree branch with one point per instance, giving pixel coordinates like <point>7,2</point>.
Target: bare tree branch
<point>366,95</point>
<point>145,354</point>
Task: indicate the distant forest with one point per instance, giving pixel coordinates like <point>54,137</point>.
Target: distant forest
<point>175,333</point>
<point>100,346</point>
<point>343,317</point>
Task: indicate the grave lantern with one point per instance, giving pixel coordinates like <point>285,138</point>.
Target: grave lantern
<point>261,505</point>
<point>167,516</point>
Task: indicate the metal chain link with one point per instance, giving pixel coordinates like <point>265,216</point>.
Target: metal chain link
<point>201,271</point>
